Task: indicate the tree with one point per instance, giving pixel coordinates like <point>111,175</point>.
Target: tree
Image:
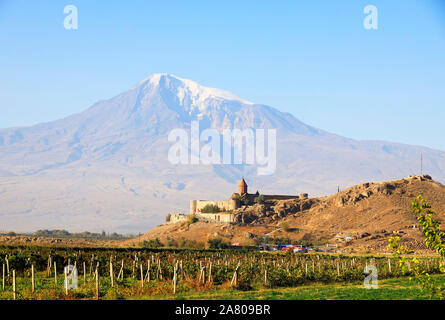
<point>434,239</point>
<point>259,199</point>
<point>217,243</point>
<point>210,208</point>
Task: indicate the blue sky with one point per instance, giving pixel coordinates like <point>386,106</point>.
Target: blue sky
<point>313,59</point>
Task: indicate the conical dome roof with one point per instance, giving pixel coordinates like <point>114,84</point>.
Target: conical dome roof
<point>242,187</point>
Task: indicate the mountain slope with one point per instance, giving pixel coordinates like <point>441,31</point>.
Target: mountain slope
<point>107,167</point>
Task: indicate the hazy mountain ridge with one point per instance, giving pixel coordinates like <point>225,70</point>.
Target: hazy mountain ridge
<point>68,173</point>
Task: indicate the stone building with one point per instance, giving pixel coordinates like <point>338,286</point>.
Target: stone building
<point>177,217</point>
<point>235,202</point>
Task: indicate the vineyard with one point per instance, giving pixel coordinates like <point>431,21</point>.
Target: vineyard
<point>39,272</point>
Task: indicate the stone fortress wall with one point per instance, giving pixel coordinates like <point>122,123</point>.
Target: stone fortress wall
<point>226,206</point>
<point>283,197</point>
<point>177,217</point>
<point>216,217</point>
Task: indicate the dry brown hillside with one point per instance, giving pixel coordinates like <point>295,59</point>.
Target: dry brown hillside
<point>358,219</point>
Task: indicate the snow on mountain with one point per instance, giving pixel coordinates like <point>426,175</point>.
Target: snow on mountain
<point>188,92</point>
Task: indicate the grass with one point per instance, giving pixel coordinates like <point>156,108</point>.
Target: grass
<point>388,289</point>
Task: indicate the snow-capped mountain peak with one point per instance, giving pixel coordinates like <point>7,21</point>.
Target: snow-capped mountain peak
<point>197,96</point>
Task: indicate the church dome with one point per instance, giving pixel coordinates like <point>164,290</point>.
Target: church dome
<point>242,187</point>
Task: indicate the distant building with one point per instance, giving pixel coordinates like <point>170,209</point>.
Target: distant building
<point>235,202</point>
<point>177,217</point>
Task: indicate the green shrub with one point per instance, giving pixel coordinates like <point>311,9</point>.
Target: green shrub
<point>191,244</point>
<point>285,226</point>
<point>152,244</point>
<point>217,243</point>
<point>172,243</point>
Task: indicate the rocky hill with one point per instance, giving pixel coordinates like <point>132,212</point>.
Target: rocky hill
<point>357,219</point>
